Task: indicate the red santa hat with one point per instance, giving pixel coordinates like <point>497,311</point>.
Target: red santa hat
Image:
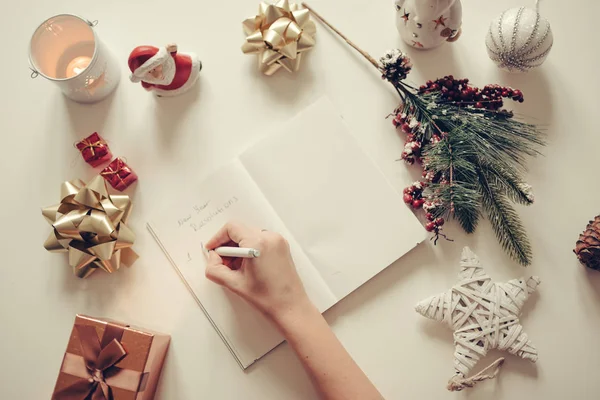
<point>140,55</point>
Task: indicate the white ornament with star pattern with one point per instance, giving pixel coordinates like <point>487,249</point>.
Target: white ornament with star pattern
<point>425,24</point>
<point>484,315</point>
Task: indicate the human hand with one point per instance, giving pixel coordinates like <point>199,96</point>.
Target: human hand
<point>270,282</point>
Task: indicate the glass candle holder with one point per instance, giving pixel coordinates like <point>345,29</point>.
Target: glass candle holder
<point>66,50</point>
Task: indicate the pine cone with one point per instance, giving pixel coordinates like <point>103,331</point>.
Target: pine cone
<point>396,66</point>
<point>588,245</point>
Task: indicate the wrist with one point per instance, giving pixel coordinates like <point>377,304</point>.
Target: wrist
<point>299,313</point>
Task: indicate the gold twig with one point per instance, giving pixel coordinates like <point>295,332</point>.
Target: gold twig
<point>361,51</point>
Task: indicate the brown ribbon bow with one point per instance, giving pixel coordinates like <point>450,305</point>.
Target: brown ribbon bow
<point>96,367</point>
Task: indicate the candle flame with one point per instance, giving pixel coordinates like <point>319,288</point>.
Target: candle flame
<point>77,66</point>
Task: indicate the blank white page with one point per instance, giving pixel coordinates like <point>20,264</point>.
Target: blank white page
<point>331,196</point>
<point>194,217</point>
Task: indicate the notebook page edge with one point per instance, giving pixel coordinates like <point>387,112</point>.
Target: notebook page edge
<point>242,363</point>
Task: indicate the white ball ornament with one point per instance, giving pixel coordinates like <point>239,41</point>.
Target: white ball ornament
<point>519,39</point>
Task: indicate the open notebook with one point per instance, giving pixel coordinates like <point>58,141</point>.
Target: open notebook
<point>312,183</point>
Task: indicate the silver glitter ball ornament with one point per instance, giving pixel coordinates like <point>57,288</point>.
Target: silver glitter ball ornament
<point>519,39</point>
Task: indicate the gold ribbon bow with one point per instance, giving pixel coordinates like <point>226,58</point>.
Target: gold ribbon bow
<point>91,226</point>
<point>87,144</point>
<point>96,367</point>
<point>115,170</point>
<point>91,142</point>
<point>279,34</point>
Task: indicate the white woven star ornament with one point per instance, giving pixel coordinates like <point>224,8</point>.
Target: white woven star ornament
<point>484,315</point>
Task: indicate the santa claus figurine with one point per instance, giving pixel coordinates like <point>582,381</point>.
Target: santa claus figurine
<point>164,71</point>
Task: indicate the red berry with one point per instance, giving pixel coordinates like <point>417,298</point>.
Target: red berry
<point>518,93</point>
<point>435,87</point>
<point>395,122</point>
<point>406,127</point>
<point>439,221</point>
<point>479,105</point>
<point>407,190</point>
<point>418,203</point>
<point>429,216</point>
<point>430,227</point>
<point>407,198</point>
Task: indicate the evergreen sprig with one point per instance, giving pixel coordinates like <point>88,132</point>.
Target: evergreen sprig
<point>479,162</point>
<point>473,153</point>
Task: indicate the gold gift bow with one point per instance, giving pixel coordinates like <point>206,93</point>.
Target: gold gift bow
<point>279,34</point>
<point>91,226</point>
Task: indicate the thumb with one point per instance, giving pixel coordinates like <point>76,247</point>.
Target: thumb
<point>219,273</point>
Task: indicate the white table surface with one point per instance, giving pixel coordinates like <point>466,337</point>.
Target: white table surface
<point>172,143</point>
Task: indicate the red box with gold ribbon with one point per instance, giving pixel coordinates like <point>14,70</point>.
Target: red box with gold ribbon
<point>118,174</point>
<point>94,150</point>
<point>106,360</point>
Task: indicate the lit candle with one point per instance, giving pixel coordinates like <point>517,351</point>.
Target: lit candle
<point>66,50</point>
<point>77,65</point>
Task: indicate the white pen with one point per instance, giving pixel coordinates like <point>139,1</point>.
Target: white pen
<point>240,252</point>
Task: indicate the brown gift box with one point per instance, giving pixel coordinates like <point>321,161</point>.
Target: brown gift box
<point>107,360</point>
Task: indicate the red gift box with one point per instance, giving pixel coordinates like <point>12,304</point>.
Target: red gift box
<point>118,174</point>
<point>94,150</point>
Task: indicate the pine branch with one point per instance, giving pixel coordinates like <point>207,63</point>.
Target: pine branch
<point>435,119</point>
<point>451,154</point>
<point>484,149</point>
<point>465,198</point>
<point>458,197</point>
<point>510,183</point>
<point>505,221</point>
<point>500,138</point>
